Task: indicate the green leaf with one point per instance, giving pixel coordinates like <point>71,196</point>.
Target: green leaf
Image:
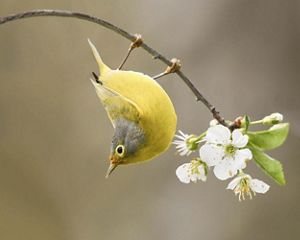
<point>269,165</point>
<point>271,138</point>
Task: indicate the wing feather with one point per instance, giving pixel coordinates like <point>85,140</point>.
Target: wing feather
<point>116,105</point>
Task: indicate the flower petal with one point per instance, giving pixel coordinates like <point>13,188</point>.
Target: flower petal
<point>213,122</point>
<point>183,173</point>
<point>225,169</point>
<point>202,174</point>
<point>194,177</point>
<point>184,151</point>
<point>211,154</point>
<point>218,134</point>
<point>240,158</point>
<point>232,185</point>
<point>181,136</point>
<point>259,186</point>
<point>238,139</point>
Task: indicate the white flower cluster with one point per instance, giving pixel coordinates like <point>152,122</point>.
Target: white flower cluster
<point>226,152</point>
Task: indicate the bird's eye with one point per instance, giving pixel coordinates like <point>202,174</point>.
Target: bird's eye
<point>120,150</point>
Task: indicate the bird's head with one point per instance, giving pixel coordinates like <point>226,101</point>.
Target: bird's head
<point>127,142</point>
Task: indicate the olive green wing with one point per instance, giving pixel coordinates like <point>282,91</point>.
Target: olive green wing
<point>116,105</point>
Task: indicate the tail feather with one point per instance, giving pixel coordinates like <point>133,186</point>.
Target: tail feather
<point>102,67</point>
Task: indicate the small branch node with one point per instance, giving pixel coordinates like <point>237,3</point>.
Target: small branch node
<point>237,123</point>
<point>137,42</point>
<point>176,65</point>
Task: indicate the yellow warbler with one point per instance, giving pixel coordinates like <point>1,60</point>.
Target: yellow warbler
<point>141,112</point>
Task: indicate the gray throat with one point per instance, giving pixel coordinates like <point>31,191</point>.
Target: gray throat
<point>129,134</point>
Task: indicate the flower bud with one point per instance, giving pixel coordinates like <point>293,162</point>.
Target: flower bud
<point>272,119</point>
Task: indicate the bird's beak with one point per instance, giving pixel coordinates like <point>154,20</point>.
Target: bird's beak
<point>112,166</point>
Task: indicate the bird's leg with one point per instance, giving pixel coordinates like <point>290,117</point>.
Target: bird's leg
<point>135,44</point>
<point>176,65</point>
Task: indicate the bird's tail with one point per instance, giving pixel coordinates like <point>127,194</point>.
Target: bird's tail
<point>102,67</point>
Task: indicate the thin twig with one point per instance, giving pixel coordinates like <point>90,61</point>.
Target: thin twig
<point>125,59</point>
<point>160,75</point>
<point>131,37</point>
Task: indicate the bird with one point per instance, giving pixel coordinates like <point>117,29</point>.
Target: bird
<point>141,112</point>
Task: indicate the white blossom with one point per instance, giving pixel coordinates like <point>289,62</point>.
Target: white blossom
<point>225,151</point>
<point>191,172</point>
<point>185,144</point>
<point>245,185</point>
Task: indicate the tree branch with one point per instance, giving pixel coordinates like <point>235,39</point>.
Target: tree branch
<point>131,37</point>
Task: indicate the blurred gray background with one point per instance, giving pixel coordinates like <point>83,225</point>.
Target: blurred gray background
<point>55,136</point>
